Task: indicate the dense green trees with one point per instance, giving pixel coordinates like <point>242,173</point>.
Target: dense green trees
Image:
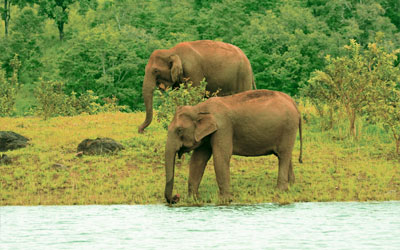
<point>106,43</point>
<point>59,11</point>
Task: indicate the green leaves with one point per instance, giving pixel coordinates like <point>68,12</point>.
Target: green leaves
<point>108,62</point>
<point>52,101</point>
<point>364,82</point>
<point>59,11</point>
<point>106,50</point>
<point>186,94</point>
<point>9,88</point>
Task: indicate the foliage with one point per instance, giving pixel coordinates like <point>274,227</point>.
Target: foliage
<point>106,61</point>
<point>59,11</point>
<point>52,101</point>
<point>364,81</point>
<point>9,88</point>
<point>186,94</point>
<point>24,39</point>
<point>285,41</point>
<point>343,82</point>
<point>284,48</point>
<point>5,12</point>
<point>359,20</point>
<point>384,104</point>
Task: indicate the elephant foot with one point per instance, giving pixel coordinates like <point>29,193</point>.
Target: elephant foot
<point>282,186</point>
<point>195,197</point>
<point>225,199</point>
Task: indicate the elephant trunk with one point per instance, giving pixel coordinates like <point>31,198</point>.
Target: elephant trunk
<point>147,91</point>
<point>170,154</point>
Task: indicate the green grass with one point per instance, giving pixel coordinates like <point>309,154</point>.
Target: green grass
<point>335,168</point>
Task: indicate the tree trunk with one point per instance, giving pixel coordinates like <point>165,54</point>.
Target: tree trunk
<point>353,123</point>
<point>61,30</point>
<point>6,16</point>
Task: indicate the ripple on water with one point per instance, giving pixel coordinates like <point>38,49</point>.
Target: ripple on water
<point>345,225</point>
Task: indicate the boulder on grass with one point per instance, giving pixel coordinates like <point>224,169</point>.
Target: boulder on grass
<point>10,140</point>
<point>99,146</point>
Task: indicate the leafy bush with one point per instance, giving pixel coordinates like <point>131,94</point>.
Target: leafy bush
<point>186,94</point>
<point>363,82</point>
<point>9,88</point>
<point>384,95</point>
<point>52,101</point>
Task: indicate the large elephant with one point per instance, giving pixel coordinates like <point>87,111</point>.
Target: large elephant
<point>224,66</point>
<point>252,123</point>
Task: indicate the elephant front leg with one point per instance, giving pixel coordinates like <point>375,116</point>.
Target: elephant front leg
<point>198,163</point>
<point>222,153</point>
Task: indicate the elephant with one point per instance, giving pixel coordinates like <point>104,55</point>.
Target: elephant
<point>224,67</point>
<point>250,123</point>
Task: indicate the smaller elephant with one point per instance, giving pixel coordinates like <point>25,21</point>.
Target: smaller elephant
<point>251,123</point>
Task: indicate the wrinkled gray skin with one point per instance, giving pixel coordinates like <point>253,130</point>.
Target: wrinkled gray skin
<point>252,123</point>
<point>224,66</point>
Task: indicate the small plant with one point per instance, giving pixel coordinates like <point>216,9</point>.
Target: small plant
<point>186,94</point>
<point>9,88</point>
<point>52,101</point>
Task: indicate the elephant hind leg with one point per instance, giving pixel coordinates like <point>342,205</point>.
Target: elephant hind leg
<point>291,173</point>
<point>284,171</point>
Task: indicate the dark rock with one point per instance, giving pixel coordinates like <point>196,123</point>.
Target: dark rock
<point>10,140</point>
<point>5,160</point>
<point>99,146</point>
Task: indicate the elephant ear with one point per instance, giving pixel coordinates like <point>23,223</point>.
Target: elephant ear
<point>205,125</point>
<point>176,69</point>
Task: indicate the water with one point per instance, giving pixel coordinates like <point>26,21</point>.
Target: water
<point>349,225</point>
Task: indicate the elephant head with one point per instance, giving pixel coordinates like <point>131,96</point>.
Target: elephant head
<point>164,69</point>
<point>185,133</point>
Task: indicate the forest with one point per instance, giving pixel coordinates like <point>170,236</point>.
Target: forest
<point>103,45</point>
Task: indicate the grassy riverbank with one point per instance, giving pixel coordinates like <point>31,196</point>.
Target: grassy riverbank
<point>48,172</point>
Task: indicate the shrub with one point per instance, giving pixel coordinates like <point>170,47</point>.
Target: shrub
<point>363,82</point>
<point>52,101</point>
<point>186,94</point>
<point>9,88</point>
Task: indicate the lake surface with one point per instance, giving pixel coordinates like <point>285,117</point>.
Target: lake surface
<point>349,225</point>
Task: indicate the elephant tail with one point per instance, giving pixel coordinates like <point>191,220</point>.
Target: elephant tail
<point>301,140</point>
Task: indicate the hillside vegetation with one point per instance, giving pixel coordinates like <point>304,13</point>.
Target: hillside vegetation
<point>103,45</point>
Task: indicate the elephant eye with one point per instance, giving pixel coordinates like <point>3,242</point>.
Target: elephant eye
<point>179,130</point>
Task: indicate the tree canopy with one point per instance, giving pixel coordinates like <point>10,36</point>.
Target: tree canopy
<point>104,45</point>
